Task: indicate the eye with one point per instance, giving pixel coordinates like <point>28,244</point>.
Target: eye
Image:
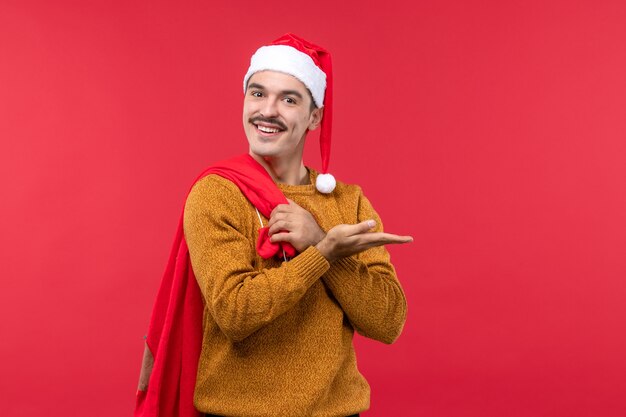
<point>289,100</point>
<point>254,93</point>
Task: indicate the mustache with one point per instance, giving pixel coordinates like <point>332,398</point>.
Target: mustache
<point>269,120</point>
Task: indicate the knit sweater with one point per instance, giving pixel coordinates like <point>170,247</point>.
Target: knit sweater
<point>277,336</point>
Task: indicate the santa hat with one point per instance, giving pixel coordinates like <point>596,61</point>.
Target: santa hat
<point>311,65</point>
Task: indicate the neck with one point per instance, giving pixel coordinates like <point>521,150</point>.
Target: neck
<point>291,172</point>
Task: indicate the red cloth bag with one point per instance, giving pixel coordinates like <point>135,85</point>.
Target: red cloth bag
<point>174,337</point>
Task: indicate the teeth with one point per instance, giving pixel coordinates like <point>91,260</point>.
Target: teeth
<point>267,129</point>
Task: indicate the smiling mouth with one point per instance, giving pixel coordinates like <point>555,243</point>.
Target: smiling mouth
<point>267,129</point>
<point>267,126</point>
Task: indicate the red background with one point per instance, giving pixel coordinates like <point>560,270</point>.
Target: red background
<point>492,131</point>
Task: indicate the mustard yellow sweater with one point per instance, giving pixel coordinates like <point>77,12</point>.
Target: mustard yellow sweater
<point>278,335</point>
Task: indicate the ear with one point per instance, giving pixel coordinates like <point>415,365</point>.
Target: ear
<point>316,118</point>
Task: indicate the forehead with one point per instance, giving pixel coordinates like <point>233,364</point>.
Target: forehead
<point>274,80</point>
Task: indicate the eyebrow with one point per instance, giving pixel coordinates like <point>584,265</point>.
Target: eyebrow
<point>284,92</point>
<point>292,93</point>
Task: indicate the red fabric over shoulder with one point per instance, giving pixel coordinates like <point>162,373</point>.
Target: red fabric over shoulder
<point>175,331</point>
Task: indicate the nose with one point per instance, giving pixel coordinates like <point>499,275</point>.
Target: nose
<point>270,107</point>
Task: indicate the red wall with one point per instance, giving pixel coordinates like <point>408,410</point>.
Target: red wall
<point>494,132</point>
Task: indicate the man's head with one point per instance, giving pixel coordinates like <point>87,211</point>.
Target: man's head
<point>278,111</point>
<point>288,91</point>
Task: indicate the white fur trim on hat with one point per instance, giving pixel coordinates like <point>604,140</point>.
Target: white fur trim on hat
<point>283,58</point>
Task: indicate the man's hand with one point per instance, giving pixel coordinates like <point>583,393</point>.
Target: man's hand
<point>348,239</point>
<point>291,223</point>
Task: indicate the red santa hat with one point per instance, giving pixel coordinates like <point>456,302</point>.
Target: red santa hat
<point>311,64</point>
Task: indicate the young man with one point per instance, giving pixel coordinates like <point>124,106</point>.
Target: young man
<point>277,332</point>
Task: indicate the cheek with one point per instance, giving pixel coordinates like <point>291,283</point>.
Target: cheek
<point>303,121</point>
<point>308,122</point>
<point>248,107</point>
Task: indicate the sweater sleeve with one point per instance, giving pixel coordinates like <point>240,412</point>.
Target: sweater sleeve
<point>366,287</point>
<point>241,298</point>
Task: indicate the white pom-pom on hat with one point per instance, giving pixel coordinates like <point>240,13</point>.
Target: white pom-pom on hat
<point>325,183</point>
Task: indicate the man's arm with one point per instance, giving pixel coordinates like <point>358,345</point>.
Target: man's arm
<point>362,278</point>
<point>240,298</point>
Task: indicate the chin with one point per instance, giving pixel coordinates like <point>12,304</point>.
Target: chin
<point>264,152</point>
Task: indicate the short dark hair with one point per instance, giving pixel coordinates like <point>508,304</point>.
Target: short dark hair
<point>313,105</point>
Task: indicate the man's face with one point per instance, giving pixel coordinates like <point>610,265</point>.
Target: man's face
<point>277,114</point>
